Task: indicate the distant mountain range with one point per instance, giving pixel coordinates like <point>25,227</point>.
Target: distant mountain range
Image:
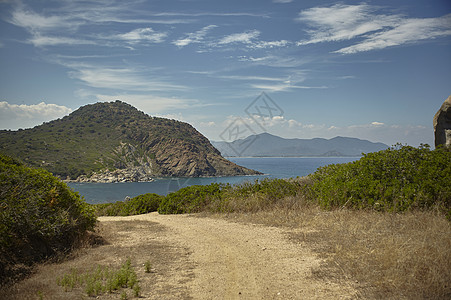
<point>110,142</point>
<point>268,145</point>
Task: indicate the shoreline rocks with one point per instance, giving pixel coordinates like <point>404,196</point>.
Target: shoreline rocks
<point>119,175</point>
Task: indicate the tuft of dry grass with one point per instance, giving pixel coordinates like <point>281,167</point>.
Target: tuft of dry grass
<point>386,255</point>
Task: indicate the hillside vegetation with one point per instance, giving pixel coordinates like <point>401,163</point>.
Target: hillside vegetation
<point>115,135</point>
<point>39,217</point>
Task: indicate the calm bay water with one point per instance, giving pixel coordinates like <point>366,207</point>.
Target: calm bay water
<point>272,167</point>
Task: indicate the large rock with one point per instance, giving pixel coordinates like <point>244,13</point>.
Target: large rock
<point>442,124</point>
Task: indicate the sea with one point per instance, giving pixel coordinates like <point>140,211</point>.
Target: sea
<point>271,167</point>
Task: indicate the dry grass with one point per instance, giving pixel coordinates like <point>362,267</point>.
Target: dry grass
<point>387,255</point>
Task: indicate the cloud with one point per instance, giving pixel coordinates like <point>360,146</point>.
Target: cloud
<point>207,124</point>
<point>70,19</point>
<point>406,32</point>
<point>127,79</point>
<point>28,19</point>
<point>271,44</point>
<point>15,116</point>
<point>41,41</point>
<point>244,37</point>
<point>142,34</point>
<point>274,61</point>
<point>152,104</point>
<point>211,14</point>
<point>282,1</point>
<point>249,38</point>
<point>283,87</point>
<point>253,78</point>
<point>195,37</point>
<point>342,22</point>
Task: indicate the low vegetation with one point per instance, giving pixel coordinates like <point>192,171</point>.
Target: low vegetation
<point>39,217</point>
<point>138,205</point>
<point>101,280</point>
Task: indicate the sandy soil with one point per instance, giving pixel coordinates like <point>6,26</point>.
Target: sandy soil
<point>239,261</point>
<point>197,258</point>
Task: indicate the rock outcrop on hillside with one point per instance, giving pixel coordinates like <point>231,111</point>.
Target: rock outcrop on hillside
<point>114,142</point>
<point>442,124</point>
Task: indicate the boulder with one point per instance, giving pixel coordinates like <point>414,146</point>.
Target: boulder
<point>442,124</point>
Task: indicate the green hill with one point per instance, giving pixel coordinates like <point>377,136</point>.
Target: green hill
<point>116,142</point>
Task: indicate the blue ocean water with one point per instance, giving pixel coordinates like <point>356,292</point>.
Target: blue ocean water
<point>272,167</point>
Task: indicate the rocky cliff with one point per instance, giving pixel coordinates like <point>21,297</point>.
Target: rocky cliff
<point>442,124</point>
<point>114,142</point>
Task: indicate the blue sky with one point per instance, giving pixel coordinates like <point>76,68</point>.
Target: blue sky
<point>377,70</point>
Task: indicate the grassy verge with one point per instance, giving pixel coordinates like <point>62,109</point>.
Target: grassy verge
<point>101,280</point>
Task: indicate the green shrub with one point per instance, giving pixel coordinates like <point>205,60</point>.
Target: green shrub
<point>141,204</point>
<point>39,215</point>
<point>190,199</point>
<point>255,196</point>
<point>216,197</point>
<point>396,179</point>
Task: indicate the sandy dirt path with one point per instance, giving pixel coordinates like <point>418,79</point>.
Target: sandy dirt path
<point>227,260</point>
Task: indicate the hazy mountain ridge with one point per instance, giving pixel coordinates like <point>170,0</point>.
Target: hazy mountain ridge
<point>116,142</point>
<point>268,145</point>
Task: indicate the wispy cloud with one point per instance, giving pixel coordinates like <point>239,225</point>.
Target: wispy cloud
<point>141,35</point>
<point>271,44</point>
<point>211,14</point>
<point>151,104</point>
<point>248,78</point>
<point>343,22</point>
<point>285,61</point>
<point>43,41</point>
<point>195,37</point>
<point>377,30</point>
<point>59,25</point>
<point>250,39</point>
<point>282,1</point>
<point>283,87</point>
<point>128,79</point>
<point>406,32</point>
<point>243,37</point>
<point>33,21</point>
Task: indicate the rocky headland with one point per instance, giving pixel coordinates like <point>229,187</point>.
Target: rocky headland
<point>115,142</point>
